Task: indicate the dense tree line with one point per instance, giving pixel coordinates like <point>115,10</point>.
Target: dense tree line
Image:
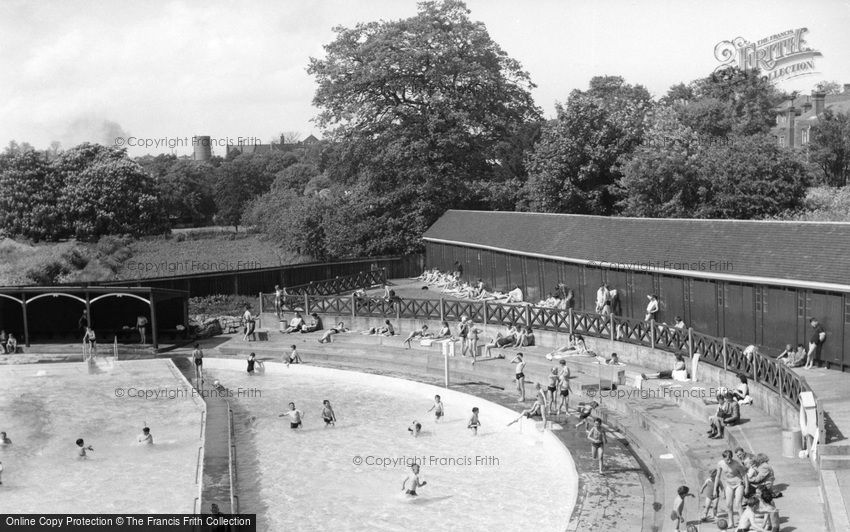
<point>428,113</point>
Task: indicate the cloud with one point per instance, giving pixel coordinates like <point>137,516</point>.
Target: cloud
<point>91,128</point>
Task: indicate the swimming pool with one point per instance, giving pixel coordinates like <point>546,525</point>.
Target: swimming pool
<point>44,408</point>
<point>349,477</point>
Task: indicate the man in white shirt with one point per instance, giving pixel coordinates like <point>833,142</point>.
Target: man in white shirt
<point>652,308</point>
<point>515,295</point>
<point>602,296</point>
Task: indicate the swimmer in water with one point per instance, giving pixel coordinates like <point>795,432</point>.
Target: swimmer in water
<point>82,448</point>
<point>412,482</point>
<point>437,408</point>
<point>415,428</point>
<point>473,422</point>
<point>4,440</point>
<point>145,437</point>
<point>328,414</point>
<point>294,416</point>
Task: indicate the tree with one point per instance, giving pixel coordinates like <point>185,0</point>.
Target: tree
<point>295,221</point>
<point>829,147</point>
<point>829,87</point>
<point>112,196</point>
<point>29,196</point>
<point>186,192</point>
<point>574,166</point>
<point>295,177</point>
<point>749,177</point>
<point>729,101</point>
<point>660,178</point>
<point>419,105</point>
<point>241,179</point>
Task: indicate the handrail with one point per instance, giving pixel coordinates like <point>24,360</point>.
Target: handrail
<point>719,352</point>
<point>294,297</point>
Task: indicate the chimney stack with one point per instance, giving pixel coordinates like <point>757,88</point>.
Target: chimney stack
<point>818,98</point>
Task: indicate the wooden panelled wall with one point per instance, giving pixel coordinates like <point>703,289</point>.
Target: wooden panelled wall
<point>766,315</point>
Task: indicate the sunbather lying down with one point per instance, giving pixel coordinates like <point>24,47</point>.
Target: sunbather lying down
<point>574,348</point>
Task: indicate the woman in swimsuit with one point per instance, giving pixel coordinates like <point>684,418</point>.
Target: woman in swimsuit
<point>278,300</point>
<point>340,328</point>
<point>564,385</point>
<point>520,376</point>
<point>552,389</point>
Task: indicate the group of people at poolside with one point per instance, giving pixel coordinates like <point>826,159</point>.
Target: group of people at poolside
<point>451,284</point>
<point>745,482</point>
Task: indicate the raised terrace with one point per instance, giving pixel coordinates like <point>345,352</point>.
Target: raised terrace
<point>658,426</point>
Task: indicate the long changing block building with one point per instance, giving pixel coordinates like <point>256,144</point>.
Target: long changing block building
<point>754,282</point>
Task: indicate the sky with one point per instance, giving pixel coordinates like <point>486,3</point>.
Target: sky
<point>164,71</point>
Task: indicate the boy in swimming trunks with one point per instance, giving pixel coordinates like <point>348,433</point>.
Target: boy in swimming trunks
<point>585,411</point>
<point>437,408</point>
<point>473,422</point>
<point>328,415</point>
<point>415,428</point>
<point>251,361</point>
<point>294,416</point>
<point>414,482</point>
<point>82,448</point>
<point>145,437</point>
<point>198,359</point>
<point>294,357</point>
<point>597,438</point>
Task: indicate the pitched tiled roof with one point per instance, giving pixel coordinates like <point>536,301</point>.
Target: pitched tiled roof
<point>809,253</point>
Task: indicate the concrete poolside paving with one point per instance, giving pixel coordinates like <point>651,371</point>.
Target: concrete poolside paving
<point>660,426</point>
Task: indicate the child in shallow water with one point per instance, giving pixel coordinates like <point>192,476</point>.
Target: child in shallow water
<point>412,482</point>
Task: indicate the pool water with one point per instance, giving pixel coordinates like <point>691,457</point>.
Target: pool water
<point>44,408</point>
<point>307,479</point>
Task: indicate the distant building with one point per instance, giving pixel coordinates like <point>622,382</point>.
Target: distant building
<point>202,148</point>
<point>795,118</point>
<point>282,146</point>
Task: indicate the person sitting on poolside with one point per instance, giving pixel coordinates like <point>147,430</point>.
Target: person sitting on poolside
<point>3,339</point>
<point>445,331</point>
<point>575,347</point>
<point>524,337</point>
<point>11,344</point>
<point>340,328</point>
<point>514,296</point>
<point>793,358</point>
<point>386,330</point>
<point>295,324</point>
<point>501,341</point>
<point>421,333</point>
<point>535,410</point>
<point>727,416</point>
<point>613,361</point>
<point>315,324</point>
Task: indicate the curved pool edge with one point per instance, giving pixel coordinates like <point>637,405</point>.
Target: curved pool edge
<point>549,440</point>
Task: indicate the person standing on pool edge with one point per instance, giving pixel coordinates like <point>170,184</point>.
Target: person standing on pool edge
<point>520,375</point>
<point>414,482</point>
<point>198,359</point>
